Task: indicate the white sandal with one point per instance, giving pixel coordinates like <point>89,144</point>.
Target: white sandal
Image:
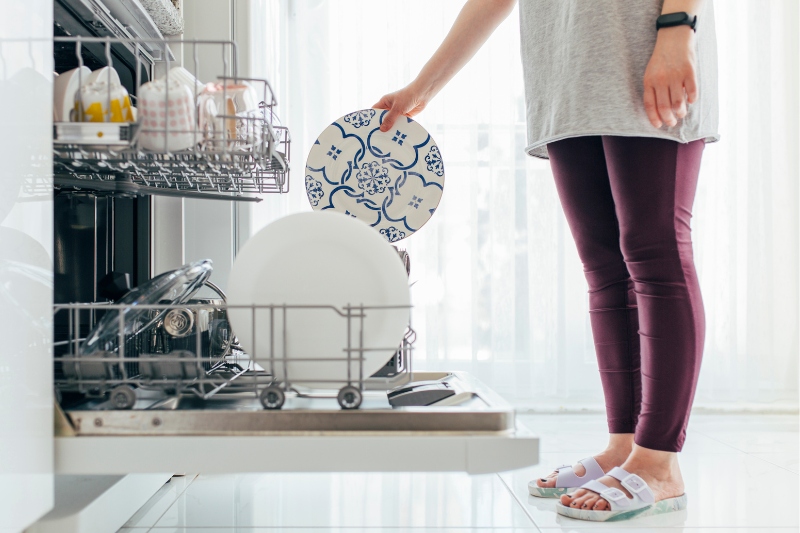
<point>621,507</point>
<point>566,479</point>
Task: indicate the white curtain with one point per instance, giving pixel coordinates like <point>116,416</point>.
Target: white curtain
<point>499,288</point>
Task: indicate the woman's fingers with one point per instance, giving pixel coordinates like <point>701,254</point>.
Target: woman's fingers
<point>389,102</point>
<point>690,83</point>
<point>664,105</point>
<point>650,106</point>
<point>403,102</point>
<point>670,82</point>
<point>391,116</point>
<point>678,98</point>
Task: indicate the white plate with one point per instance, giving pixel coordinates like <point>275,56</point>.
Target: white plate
<point>393,181</point>
<point>64,88</point>
<point>318,259</point>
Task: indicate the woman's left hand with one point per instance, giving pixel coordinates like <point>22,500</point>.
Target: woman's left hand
<point>670,80</point>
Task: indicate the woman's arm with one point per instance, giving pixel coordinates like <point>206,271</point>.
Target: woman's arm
<point>670,80</point>
<point>476,22</point>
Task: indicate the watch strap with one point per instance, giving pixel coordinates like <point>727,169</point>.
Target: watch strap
<point>670,20</point>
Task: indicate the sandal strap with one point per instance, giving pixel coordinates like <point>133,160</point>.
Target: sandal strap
<point>569,479</point>
<point>635,485</point>
<point>592,467</point>
<point>616,498</point>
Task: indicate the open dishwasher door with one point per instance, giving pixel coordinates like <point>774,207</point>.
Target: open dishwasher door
<point>471,430</point>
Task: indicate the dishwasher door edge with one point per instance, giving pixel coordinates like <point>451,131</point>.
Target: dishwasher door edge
<point>473,453</point>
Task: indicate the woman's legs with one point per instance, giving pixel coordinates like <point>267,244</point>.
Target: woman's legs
<point>581,177</point>
<point>583,185</point>
<point>653,182</point>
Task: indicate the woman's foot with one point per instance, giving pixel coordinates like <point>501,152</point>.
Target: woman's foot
<point>618,450</point>
<point>658,469</point>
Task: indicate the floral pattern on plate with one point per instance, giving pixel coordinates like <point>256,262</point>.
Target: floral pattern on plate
<point>360,118</point>
<point>392,234</point>
<point>392,180</point>
<point>314,190</point>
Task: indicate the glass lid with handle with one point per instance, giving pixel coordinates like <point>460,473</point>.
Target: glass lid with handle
<point>176,287</point>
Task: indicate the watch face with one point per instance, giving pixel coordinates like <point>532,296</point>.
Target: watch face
<point>672,18</point>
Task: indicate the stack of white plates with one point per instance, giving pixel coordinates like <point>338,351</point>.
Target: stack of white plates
<point>318,259</point>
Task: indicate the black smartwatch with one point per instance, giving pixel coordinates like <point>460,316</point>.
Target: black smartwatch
<point>676,19</point>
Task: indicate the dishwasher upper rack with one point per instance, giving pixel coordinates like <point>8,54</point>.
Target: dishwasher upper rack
<point>219,164</point>
<point>188,371</point>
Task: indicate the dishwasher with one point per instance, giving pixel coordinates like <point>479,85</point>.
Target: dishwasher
<point>171,390</point>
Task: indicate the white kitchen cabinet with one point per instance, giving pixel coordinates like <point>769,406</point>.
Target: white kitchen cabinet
<point>26,262</point>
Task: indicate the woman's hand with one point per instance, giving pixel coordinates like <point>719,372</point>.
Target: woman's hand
<point>408,101</point>
<point>670,80</point>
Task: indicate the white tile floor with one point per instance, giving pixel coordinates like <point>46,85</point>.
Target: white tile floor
<point>741,474</point>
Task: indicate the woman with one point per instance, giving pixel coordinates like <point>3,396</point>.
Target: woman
<point>621,97</point>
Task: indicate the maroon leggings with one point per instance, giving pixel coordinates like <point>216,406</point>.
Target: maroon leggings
<point>628,201</point>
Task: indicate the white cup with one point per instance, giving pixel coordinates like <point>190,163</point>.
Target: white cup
<point>187,78</point>
<point>217,129</point>
<point>167,116</point>
<point>100,102</point>
<point>245,97</point>
<point>207,116</point>
<point>233,99</point>
<point>106,74</point>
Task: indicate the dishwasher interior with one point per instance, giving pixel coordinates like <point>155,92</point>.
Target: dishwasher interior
<point>173,367</point>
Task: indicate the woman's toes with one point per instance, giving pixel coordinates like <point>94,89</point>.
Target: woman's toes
<point>547,482</point>
<point>580,493</point>
<point>600,505</point>
<point>578,502</point>
<point>589,502</point>
<point>567,499</point>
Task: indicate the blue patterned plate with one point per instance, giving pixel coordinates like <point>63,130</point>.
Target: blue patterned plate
<point>393,181</point>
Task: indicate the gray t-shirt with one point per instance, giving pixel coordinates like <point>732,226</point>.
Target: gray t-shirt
<point>584,63</point>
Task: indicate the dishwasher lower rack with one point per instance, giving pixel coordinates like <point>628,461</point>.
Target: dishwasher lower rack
<point>190,353</point>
